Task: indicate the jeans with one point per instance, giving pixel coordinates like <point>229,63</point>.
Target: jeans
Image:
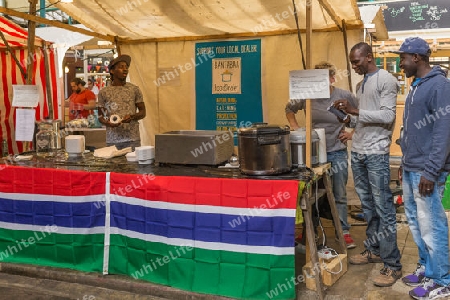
<point>428,224</point>
<point>339,176</point>
<point>371,174</point>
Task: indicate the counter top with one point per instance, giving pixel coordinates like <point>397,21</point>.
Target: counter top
<point>87,162</point>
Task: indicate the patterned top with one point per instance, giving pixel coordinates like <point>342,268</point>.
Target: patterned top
<point>121,100</point>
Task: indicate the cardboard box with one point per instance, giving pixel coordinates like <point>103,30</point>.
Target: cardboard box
<point>328,278</point>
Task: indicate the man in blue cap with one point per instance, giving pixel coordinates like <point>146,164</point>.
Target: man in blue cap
<point>426,165</point>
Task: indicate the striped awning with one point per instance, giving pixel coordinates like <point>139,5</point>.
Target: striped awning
<point>10,75</point>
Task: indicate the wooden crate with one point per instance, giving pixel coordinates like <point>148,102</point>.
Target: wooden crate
<point>328,278</point>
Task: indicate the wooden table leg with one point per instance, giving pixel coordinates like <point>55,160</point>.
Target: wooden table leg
<point>337,222</point>
<point>313,252</point>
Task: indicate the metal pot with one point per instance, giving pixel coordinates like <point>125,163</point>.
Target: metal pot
<point>298,147</point>
<point>264,149</point>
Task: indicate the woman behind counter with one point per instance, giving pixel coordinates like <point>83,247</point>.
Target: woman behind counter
<point>81,101</point>
<point>121,105</point>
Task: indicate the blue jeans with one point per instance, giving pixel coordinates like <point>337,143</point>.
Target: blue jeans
<point>371,174</point>
<point>428,224</point>
<point>339,177</point>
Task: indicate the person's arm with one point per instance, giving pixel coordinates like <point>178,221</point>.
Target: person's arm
<point>91,99</point>
<point>139,100</point>
<point>388,102</point>
<point>137,116</point>
<point>290,116</point>
<point>292,107</point>
<point>440,137</point>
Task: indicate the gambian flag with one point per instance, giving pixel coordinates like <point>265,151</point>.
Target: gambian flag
<point>52,218</point>
<point>208,235</point>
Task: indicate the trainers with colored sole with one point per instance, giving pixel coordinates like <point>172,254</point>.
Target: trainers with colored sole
<point>349,242</point>
<point>430,290</point>
<point>416,278</point>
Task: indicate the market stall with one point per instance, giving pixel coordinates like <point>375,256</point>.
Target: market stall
<point>196,218</point>
<point>185,227</point>
<point>13,62</point>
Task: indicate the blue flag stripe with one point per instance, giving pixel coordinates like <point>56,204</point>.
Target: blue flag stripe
<point>206,227</point>
<point>71,215</point>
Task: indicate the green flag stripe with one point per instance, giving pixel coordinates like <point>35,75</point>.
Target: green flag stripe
<point>73,251</point>
<point>233,274</point>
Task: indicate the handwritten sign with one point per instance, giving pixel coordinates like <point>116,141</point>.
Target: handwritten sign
<point>309,84</point>
<point>417,15</point>
<point>25,95</point>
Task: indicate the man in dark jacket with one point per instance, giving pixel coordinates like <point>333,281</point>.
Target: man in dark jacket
<point>426,164</point>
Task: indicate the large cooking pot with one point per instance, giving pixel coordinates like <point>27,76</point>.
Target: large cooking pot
<point>264,149</point>
<point>298,147</point>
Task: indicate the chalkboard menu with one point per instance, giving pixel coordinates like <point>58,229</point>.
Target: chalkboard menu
<point>415,15</point>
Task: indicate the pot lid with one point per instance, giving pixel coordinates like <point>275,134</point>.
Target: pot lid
<point>263,129</point>
<point>299,136</point>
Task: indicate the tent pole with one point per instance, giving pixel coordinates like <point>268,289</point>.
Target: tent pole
<point>344,31</point>
<point>47,83</point>
<point>308,123</point>
<point>30,41</point>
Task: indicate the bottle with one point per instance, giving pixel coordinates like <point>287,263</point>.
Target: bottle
<point>5,151</point>
<point>46,140</point>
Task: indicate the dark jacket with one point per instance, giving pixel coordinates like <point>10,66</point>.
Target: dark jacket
<point>426,120</point>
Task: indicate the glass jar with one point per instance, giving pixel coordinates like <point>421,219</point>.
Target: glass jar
<point>46,140</point>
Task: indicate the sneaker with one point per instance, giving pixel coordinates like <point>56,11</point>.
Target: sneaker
<point>387,277</point>
<point>364,257</point>
<point>430,290</point>
<point>416,278</point>
<point>348,240</point>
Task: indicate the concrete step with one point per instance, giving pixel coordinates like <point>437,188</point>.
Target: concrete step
<point>57,283</point>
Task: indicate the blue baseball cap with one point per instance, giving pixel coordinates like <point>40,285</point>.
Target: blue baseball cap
<point>414,45</point>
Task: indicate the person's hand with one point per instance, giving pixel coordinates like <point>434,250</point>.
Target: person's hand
<point>127,119</point>
<point>425,187</point>
<point>345,106</point>
<point>345,136</point>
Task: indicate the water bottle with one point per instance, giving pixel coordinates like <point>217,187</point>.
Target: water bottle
<point>5,151</point>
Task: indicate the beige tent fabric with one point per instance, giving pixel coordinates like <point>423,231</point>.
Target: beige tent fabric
<point>139,19</point>
<point>175,24</point>
<point>172,106</point>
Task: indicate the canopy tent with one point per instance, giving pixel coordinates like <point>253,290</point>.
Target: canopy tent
<point>159,19</point>
<point>43,75</point>
<point>160,35</point>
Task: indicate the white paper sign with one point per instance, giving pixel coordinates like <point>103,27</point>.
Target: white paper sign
<point>309,84</point>
<point>25,95</point>
<point>25,124</point>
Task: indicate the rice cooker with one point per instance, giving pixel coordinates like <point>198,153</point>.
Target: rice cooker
<point>298,147</point>
<point>264,149</point>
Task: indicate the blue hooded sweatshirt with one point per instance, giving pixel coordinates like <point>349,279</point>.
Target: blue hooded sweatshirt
<point>426,124</point>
